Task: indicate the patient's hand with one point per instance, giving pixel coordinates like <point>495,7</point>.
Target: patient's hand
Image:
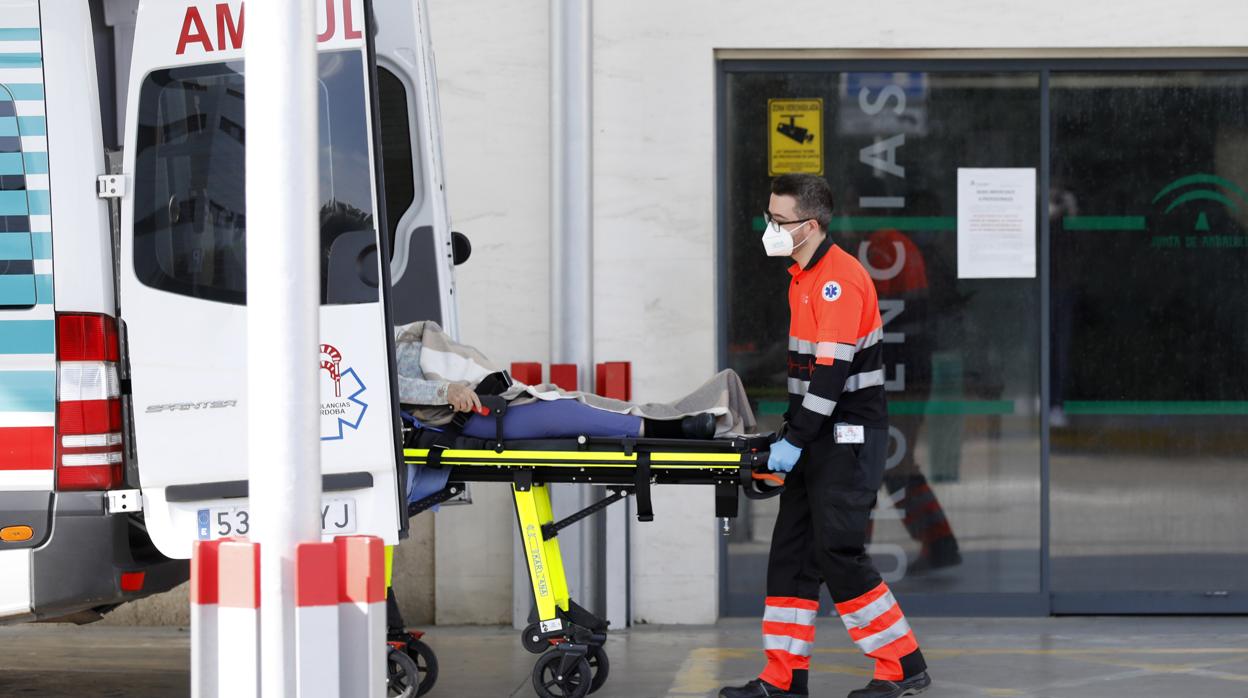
<point>461,398</point>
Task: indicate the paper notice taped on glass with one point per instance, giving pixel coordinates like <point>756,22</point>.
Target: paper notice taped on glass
<point>996,223</point>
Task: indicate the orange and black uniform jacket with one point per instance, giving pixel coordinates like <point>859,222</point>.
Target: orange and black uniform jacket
<point>836,360</point>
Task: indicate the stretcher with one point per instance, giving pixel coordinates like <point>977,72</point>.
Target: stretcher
<point>569,637</point>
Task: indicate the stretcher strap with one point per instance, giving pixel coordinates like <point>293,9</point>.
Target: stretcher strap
<point>446,438</point>
<point>645,507</point>
<point>452,489</point>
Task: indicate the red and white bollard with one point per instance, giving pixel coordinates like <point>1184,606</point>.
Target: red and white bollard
<point>340,619</point>
<point>204,599</point>
<point>564,376</point>
<point>614,379</point>
<point>527,372</point>
<point>362,615</point>
<point>316,620</point>
<point>238,619</point>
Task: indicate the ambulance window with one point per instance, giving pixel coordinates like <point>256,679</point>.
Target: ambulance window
<point>396,149</point>
<point>190,195</point>
<point>17,266</point>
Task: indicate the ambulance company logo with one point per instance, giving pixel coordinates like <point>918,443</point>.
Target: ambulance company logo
<point>831,291</point>
<point>341,406</point>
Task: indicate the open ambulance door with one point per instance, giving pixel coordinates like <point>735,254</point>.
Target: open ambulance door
<point>424,249</point>
<point>183,278</point>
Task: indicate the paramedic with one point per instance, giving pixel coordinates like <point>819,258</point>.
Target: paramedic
<point>834,449</point>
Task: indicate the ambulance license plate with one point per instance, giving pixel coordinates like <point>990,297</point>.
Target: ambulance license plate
<point>337,518</point>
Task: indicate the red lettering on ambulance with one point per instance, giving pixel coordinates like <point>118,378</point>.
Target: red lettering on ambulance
<point>347,25</point>
<point>330,23</point>
<point>193,31</point>
<point>230,27</point>
<point>225,22</point>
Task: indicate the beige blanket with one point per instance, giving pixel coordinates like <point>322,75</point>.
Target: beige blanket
<point>442,358</point>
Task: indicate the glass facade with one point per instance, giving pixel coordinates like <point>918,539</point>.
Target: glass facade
<point>1150,320</point>
<point>1070,432</point>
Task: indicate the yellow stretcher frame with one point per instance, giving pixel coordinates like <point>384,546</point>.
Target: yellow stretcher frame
<point>606,467</point>
<point>545,561</point>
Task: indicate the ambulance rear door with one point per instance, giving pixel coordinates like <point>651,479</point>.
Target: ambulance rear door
<point>423,259</point>
<point>183,277</point>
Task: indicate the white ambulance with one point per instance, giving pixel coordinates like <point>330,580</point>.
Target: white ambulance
<point>123,282</point>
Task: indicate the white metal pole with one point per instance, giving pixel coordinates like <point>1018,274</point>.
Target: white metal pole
<point>283,299</point>
<point>572,251</point>
<point>571,185</point>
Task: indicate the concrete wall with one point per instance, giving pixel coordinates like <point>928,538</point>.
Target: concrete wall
<point>654,220</point>
<point>654,196</point>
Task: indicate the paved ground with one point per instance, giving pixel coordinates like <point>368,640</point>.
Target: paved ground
<point>1031,658</point>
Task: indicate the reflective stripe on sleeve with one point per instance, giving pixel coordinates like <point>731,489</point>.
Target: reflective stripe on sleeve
<point>835,350</point>
<point>871,339</point>
<point>798,386</point>
<point>801,346</point>
<point>817,404</point>
<point>870,379</point>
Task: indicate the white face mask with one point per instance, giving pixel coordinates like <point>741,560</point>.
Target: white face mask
<point>779,242</point>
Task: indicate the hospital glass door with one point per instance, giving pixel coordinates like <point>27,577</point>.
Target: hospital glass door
<point>1064,440</point>
<point>958,519</point>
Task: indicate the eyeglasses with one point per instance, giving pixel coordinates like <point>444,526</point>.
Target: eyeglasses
<point>772,219</point>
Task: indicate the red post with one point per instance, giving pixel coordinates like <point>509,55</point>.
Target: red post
<point>316,619</point>
<point>615,380</point>
<point>204,598</point>
<point>238,618</point>
<point>361,615</point>
<point>527,372</point>
<point>563,375</point>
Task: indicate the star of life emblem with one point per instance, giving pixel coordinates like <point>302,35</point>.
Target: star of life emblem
<point>831,291</point>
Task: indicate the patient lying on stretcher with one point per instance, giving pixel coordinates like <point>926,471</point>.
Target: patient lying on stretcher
<point>439,377</point>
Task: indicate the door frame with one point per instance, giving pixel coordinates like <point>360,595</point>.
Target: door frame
<point>1045,601</point>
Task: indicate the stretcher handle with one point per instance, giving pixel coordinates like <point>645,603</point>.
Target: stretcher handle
<point>759,483</point>
<point>490,404</point>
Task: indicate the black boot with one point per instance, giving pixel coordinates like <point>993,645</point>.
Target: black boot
<point>698,426</point>
<point>912,686</point>
<point>757,689</point>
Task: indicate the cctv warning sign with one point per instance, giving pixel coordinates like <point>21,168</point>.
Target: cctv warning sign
<point>794,136</point>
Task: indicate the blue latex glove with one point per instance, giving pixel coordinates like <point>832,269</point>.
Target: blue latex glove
<point>783,456</point>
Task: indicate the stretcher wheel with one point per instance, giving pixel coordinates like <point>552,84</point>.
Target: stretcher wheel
<point>402,676</point>
<point>531,638</point>
<point>598,663</point>
<point>426,664</point>
<point>562,675</point>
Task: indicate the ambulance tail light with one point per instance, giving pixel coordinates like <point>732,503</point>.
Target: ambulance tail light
<point>89,450</point>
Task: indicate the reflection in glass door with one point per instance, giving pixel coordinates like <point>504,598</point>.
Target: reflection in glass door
<point>960,509</point>
<point>1143,330</point>
<point>1149,419</point>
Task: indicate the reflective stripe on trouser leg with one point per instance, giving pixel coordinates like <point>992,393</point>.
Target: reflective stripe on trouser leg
<point>879,628</point>
<point>788,639</point>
